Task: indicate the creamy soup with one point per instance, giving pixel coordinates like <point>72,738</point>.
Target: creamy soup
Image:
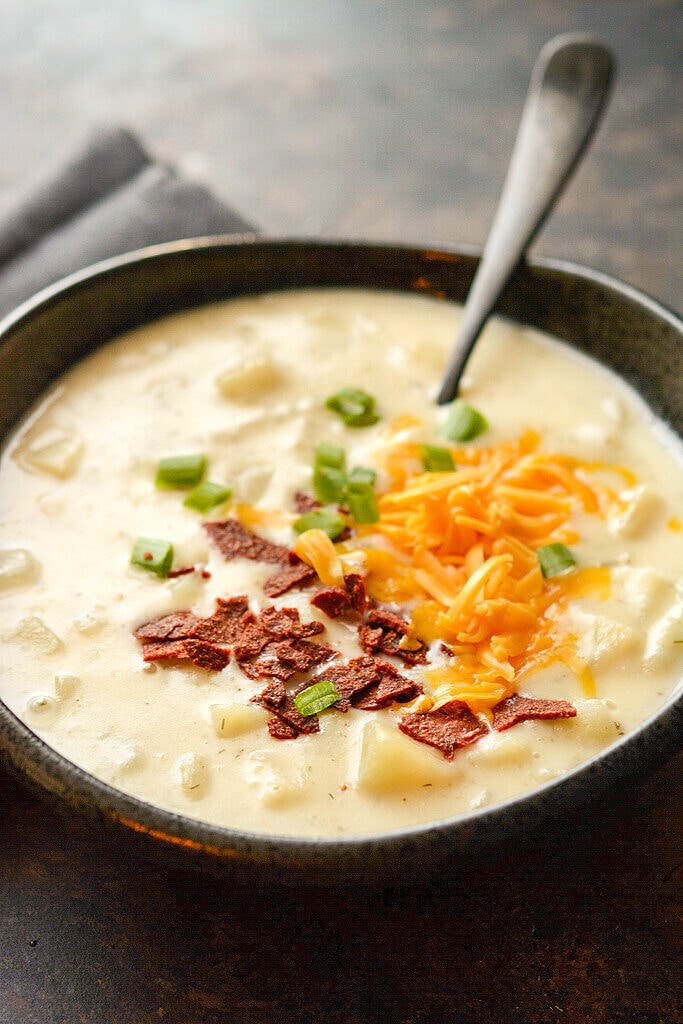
<point>424,554</point>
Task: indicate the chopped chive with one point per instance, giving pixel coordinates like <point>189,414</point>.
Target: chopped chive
<point>554,559</point>
<point>436,459</point>
<point>153,555</point>
<point>328,484</point>
<point>316,698</point>
<point>360,497</point>
<point>356,408</point>
<point>330,455</point>
<point>326,519</point>
<point>361,475</point>
<point>206,496</point>
<point>180,471</point>
<point>463,423</point>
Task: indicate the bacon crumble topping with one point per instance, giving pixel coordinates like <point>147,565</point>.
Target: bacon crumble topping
<point>274,644</point>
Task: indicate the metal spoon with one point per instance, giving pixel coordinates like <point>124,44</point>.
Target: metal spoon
<point>569,86</point>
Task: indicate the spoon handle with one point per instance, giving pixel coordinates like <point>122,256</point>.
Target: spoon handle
<point>569,87</point>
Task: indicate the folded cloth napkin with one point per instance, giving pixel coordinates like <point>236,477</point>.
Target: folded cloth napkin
<point>103,198</point>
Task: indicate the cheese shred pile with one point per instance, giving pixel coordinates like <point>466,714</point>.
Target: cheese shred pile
<point>457,550</point>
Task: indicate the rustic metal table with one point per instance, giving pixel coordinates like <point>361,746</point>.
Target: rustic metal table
<point>389,121</point>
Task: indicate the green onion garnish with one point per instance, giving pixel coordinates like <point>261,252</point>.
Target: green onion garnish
<point>330,455</point>
<point>463,423</point>
<point>329,484</point>
<point>206,496</point>
<point>153,555</point>
<point>355,407</point>
<point>327,519</point>
<point>360,497</point>
<point>316,698</point>
<point>180,471</point>
<point>436,459</point>
<point>361,475</point>
<point>554,559</point>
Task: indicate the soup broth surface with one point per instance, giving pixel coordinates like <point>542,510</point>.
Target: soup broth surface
<point>245,384</point>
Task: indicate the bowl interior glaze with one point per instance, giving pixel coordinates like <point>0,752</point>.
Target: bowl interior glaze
<point>610,321</point>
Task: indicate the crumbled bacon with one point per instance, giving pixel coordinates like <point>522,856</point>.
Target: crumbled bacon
<point>298,574</point>
<point>304,503</point>
<point>369,683</point>
<point>385,631</point>
<point>338,601</point>
<point>175,626</point>
<point>288,723</point>
<point>234,540</point>
<point>447,729</point>
<point>333,601</point>
<point>202,654</point>
<point>286,624</point>
<point>517,708</point>
<point>355,588</point>
<point>224,627</point>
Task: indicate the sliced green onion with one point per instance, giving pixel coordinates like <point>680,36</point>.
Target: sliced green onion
<point>327,519</point>
<point>329,484</point>
<point>355,407</point>
<point>361,475</point>
<point>554,559</point>
<point>436,459</point>
<point>463,423</point>
<point>360,497</point>
<point>153,555</point>
<point>180,471</point>
<point>316,698</point>
<point>330,455</point>
<point>206,496</point>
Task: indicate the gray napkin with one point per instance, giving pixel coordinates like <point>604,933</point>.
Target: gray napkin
<point>103,198</point>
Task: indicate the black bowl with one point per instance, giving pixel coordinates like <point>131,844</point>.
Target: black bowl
<point>610,321</point>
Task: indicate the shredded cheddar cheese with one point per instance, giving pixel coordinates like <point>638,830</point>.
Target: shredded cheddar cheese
<point>459,550</point>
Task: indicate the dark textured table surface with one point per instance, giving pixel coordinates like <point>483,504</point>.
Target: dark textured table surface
<point>388,121</point>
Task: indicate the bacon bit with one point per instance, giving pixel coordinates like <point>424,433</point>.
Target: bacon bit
<point>205,574</point>
<point>304,503</point>
<point>204,655</point>
<point>385,631</point>
<point>297,574</point>
<point>333,601</point>
<point>274,644</point>
<point>337,601</point>
<point>519,709</point>
<point>224,627</point>
<point>285,623</point>
<point>281,730</point>
<point>288,723</point>
<point>369,683</point>
<point>179,572</point>
<point>355,588</point>
<point>176,626</point>
<point>447,729</point>
<point>282,659</point>
<point>234,540</point>
<point>390,686</point>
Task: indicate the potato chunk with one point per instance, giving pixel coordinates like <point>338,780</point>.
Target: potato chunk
<point>236,719</point>
<point>247,381</point>
<point>392,763</point>
<point>18,568</point>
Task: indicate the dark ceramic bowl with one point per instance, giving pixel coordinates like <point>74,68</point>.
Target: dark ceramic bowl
<point>610,321</point>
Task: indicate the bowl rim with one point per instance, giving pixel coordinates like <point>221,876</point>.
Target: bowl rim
<point>51,773</point>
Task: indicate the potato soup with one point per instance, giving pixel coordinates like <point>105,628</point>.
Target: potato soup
<point>478,597</point>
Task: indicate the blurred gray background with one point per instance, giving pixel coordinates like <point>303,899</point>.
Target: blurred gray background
<point>389,120</point>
